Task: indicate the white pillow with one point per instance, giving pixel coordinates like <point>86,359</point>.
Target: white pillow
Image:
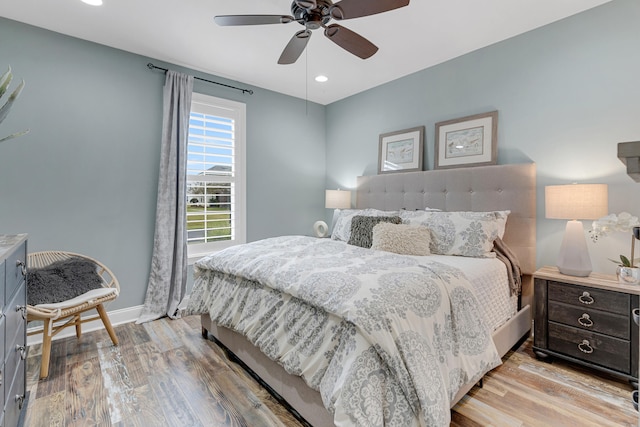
<point>401,239</point>
<point>461,233</point>
<point>342,221</point>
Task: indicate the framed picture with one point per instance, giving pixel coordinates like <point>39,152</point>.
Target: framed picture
<point>401,151</point>
<point>468,141</point>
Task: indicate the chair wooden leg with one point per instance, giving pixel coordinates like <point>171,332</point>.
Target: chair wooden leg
<point>76,319</point>
<point>46,348</point>
<point>107,323</point>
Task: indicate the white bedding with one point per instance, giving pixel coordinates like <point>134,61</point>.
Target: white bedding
<point>358,325</point>
<point>488,276</point>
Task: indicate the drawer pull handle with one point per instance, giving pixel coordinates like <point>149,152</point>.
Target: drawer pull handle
<point>23,310</point>
<point>20,400</point>
<point>586,298</point>
<point>23,351</point>
<point>585,347</point>
<point>24,267</point>
<point>585,320</point>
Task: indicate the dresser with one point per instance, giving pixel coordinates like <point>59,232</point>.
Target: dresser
<point>13,328</point>
<point>587,320</point>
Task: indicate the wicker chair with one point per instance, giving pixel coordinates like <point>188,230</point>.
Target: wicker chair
<point>56,317</point>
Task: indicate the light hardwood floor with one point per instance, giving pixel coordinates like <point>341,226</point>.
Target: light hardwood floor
<point>164,373</point>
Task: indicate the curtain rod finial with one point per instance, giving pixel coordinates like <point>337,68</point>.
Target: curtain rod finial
<point>150,65</point>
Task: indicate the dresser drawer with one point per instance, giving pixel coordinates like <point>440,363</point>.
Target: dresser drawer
<point>588,319</point>
<point>3,336</point>
<point>15,398</point>
<point>590,347</point>
<point>3,381</point>
<point>2,284</point>
<point>15,264</point>
<point>598,299</point>
<point>14,320</point>
<point>14,361</point>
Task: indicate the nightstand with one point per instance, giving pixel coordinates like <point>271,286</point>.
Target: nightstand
<point>586,320</point>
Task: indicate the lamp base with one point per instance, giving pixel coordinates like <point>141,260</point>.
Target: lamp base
<point>573,258</point>
<point>572,272</point>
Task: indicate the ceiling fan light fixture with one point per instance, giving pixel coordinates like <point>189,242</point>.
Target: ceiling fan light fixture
<point>93,2</point>
<point>321,78</point>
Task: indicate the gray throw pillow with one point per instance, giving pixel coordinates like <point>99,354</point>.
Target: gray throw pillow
<point>362,228</point>
<point>61,281</point>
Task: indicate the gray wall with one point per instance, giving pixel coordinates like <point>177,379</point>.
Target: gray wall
<point>84,179</point>
<point>566,94</point>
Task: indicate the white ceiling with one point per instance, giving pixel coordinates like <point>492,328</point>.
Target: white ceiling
<point>425,33</point>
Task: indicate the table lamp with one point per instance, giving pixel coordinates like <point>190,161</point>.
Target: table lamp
<point>575,202</point>
<point>337,199</point>
<point>333,199</point>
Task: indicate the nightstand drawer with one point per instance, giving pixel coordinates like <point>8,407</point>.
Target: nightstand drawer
<point>598,299</point>
<point>616,325</point>
<point>590,347</point>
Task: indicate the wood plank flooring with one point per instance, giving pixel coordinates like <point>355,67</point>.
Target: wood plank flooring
<point>164,373</point>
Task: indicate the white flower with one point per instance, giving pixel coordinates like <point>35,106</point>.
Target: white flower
<point>612,222</point>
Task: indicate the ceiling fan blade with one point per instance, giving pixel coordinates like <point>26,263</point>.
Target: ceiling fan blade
<point>350,41</point>
<point>295,47</point>
<point>348,9</point>
<point>228,20</point>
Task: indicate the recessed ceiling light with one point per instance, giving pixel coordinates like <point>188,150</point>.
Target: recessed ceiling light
<point>321,79</point>
<point>93,2</point>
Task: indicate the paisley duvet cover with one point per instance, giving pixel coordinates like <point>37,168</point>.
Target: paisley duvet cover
<point>386,339</point>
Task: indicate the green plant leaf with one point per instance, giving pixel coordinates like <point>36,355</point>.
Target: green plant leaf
<point>5,81</point>
<point>625,261</point>
<point>4,111</point>
<point>14,135</point>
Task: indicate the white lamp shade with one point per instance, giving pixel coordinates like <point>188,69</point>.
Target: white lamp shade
<point>337,199</point>
<point>576,201</point>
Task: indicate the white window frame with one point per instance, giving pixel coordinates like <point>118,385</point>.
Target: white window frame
<point>220,107</point>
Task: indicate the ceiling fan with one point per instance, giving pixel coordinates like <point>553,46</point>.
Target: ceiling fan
<point>314,14</point>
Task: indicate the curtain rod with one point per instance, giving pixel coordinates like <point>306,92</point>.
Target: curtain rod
<point>249,91</point>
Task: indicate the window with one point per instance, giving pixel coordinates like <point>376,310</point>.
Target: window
<point>215,175</point>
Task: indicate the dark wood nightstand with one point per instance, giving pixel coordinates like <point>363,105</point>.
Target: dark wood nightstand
<point>586,320</point>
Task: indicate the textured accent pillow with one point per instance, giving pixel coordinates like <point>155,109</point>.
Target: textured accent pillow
<point>362,228</point>
<point>401,239</point>
<point>341,229</point>
<point>61,281</point>
<point>462,233</point>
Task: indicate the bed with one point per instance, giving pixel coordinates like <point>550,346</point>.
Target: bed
<point>379,374</point>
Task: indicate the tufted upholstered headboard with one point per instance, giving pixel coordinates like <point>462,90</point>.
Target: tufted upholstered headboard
<point>483,188</point>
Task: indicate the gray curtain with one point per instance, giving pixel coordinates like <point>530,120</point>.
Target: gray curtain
<point>168,277</point>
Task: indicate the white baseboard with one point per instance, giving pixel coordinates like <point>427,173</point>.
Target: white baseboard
<point>117,317</point>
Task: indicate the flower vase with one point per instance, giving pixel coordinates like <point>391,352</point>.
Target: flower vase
<point>628,275</point>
